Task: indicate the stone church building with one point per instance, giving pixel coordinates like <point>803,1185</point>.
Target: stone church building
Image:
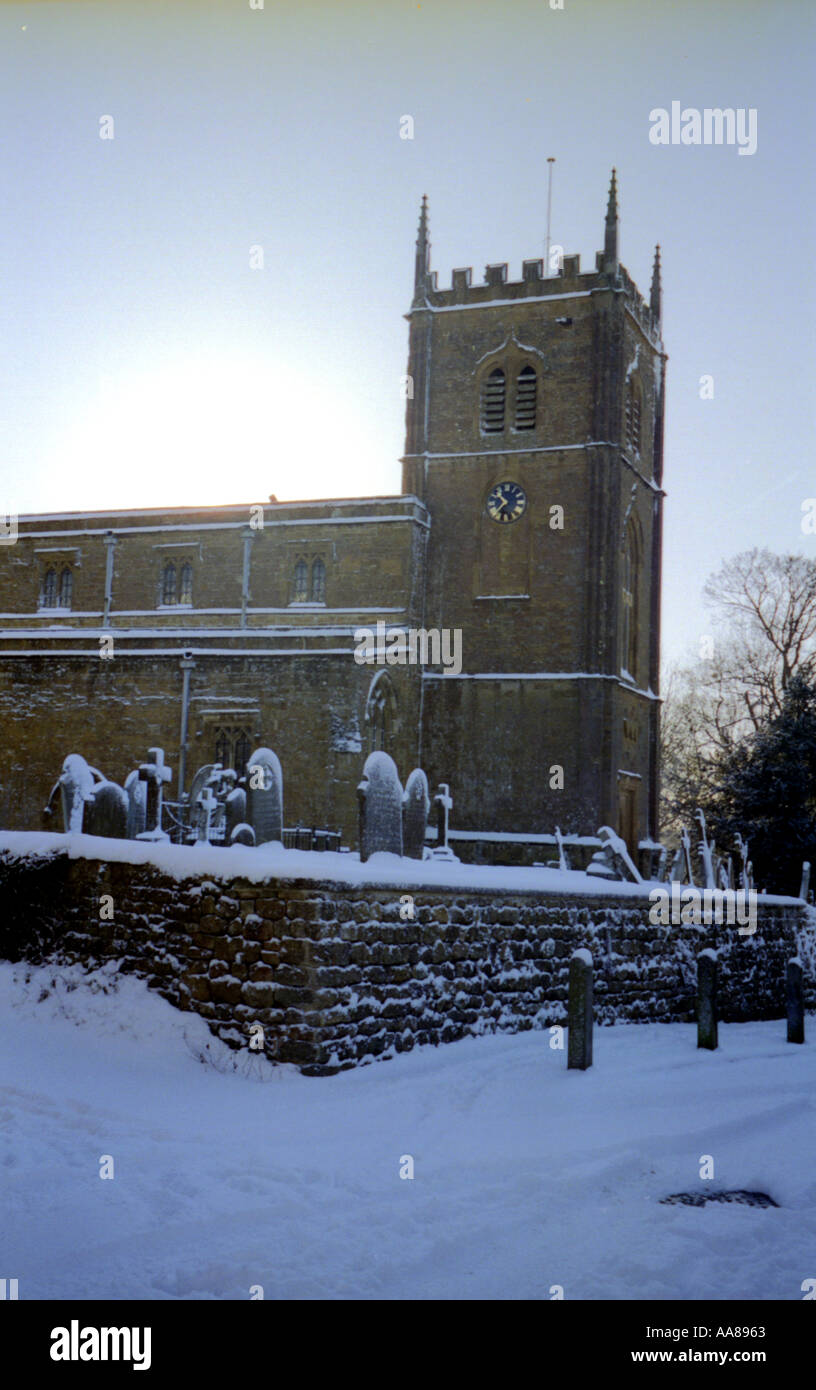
<point>529,522</point>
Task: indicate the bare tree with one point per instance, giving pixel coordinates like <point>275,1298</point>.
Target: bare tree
<point>769,602</point>
<point>766,605</point>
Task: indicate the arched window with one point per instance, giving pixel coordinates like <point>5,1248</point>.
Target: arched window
<point>381,713</point>
<point>526,399</point>
<point>186,584</point>
<point>633,412</point>
<point>168,587</point>
<point>49,591</point>
<point>493,399</point>
<point>300,592</point>
<point>318,582</point>
<point>241,753</point>
<point>629,588</point>
<point>222,748</point>
<point>66,588</point>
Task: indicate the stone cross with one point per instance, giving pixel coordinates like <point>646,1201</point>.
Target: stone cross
<point>207,802</point>
<point>707,1000</point>
<point>443,801</point>
<point>805,888</point>
<point>579,1021</point>
<point>154,774</point>
<point>795,994</point>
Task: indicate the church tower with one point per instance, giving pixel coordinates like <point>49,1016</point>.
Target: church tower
<point>534,436</point>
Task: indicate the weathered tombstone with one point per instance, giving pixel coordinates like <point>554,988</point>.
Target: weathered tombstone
<point>264,796</point>
<point>415,807</point>
<point>563,862</point>
<point>136,791</point>
<point>76,787</point>
<point>380,798</point>
<point>235,811</point>
<point>685,841</point>
<point>579,1020</point>
<point>107,813</point>
<point>678,867</point>
<point>805,886</point>
<point>706,853</point>
<point>795,992</point>
<point>155,774</point>
<point>443,803</point>
<point>745,870</point>
<point>613,860</point>
<point>707,999</point>
<point>242,834</point>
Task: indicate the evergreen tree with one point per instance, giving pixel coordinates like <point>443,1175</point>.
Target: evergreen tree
<point>766,791</point>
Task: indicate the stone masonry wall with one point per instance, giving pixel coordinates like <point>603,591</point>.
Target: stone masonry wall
<point>337,978</point>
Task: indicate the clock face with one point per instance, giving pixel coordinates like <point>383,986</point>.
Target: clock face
<point>506,502</point>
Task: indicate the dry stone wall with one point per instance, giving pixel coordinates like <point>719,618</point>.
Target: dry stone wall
<point>338,975</point>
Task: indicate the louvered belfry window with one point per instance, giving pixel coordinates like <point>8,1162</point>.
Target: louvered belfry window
<point>493,401</point>
<point>633,417</point>
<point>526,399</point>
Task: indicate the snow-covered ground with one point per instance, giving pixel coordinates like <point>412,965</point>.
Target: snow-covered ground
<point>526,1176</point>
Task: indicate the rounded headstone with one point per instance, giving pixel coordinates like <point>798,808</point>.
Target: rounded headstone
<point>76,787</point>
<point>380,795</point>
<point>107,813</point>
<point>136,792</point>
<point>264,796</point>
<point>416,804</point>
<point>242,834</point>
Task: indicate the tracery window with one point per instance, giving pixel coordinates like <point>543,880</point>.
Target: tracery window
<point>318,582</point>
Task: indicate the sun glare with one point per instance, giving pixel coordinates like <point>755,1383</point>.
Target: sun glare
<point>214,431</point>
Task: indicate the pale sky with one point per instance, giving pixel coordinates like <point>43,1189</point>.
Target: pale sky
<point>145,363</point>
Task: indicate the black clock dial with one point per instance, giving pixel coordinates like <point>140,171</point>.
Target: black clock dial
<point>506,502</point>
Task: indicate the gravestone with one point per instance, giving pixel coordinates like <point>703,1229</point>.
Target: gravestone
<point>380,798</point>
<point>579,1020</point>
<point>705,852</point>
<point>805,885</point>
<point>613,860</point>
<point>443,805</point>
<point>795,998</point>
<point>76,788</point>
<point>242,834</point>
<point>107,814</point>
<point>685,842</point>
<point>415,807</point>
<point>563,857</point>
<point>235,812</point>
<point>707,999</point>
<point>264,796</point>
<point>136,792</point>
<point>155,774</point>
